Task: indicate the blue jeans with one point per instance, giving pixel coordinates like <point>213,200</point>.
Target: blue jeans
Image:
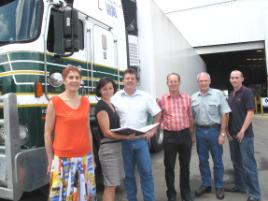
<point>245,166</point>
<point>137,152</point>
<point>207,141</point>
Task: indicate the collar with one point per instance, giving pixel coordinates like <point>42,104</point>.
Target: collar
<point>239,90</point>
<point>170,96</point>
<point>137,92</point>
<point>208,93</point>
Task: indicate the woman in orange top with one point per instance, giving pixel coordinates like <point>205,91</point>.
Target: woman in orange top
<point>70,154</point>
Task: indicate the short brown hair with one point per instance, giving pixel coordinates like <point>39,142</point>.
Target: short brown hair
<point>68,69</point>
<point>176,74</point>
<point>130,71</point>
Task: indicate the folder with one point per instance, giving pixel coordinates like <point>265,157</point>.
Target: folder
<point>129,130</point>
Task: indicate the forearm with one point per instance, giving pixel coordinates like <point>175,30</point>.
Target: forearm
<point>191,126</point>
<point>48,146</point>
<point>223,122</point>
<point>157,118</point>
<point>91,143</point>
<point>248,121</point>
<point>227,122</point>
<point>49,127</point>
<point>115,136</point>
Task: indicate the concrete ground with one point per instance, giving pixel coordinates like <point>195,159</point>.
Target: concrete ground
<point>261,154</point>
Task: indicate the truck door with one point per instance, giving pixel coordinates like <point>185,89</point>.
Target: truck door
<point>102,62</point>
<point>104,54</point>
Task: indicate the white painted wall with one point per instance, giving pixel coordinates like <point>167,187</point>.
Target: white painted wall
<point>163,50</point>
<point>220,22</point>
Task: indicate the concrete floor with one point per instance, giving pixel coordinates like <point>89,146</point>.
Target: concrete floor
<point>261,154</point>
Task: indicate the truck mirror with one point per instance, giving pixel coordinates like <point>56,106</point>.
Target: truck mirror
<point>70,30</point>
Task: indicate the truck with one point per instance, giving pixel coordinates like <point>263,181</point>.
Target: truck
<point>39,38</point>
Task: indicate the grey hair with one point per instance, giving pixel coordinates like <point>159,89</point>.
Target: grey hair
<point>203,73</point>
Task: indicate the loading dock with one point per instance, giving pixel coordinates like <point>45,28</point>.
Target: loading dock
<point>251,62</point>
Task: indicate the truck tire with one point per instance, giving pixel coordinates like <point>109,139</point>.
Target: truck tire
<point>156,143</point>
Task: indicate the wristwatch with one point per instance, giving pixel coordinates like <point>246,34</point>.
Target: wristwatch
<point>223,134</point>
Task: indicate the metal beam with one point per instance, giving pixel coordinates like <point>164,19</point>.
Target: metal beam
<point>233,47</point>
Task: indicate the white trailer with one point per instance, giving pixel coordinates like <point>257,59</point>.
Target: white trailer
<point>162,50</point>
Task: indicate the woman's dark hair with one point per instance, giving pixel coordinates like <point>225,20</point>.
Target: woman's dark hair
<point>102,82</point>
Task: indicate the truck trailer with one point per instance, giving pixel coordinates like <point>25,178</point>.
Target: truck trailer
<point>39,38</point>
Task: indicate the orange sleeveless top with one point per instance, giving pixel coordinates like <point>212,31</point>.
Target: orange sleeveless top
<point>71,130</point>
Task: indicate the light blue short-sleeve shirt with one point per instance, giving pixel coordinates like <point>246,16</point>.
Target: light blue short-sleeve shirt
<point>207,109</point>
<point>133,109</point>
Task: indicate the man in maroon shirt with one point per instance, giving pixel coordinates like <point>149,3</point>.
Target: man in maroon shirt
<point>177,125</point>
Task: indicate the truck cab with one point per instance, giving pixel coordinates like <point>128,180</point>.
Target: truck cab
<point>38,38</point>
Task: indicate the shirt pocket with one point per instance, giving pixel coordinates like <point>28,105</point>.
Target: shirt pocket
<point>195,107</point>
<point>213,108</point>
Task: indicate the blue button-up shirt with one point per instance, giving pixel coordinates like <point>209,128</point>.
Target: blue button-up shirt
<point>208,108</point>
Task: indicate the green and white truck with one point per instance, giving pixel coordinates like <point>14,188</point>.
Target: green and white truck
<point>38,38</point>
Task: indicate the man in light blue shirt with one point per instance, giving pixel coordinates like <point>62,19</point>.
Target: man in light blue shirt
<point>209,108</point>
<point>133,107</point>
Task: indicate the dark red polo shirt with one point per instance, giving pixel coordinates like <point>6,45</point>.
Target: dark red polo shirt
<point>240,102</point>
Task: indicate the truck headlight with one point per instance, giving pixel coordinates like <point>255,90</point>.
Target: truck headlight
<point>55,79</point>
<point>23,133</point>
<point>2,135</point>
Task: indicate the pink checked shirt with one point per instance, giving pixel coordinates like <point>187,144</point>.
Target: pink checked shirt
<point>176,112</point>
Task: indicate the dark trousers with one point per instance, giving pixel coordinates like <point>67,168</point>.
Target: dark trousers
<point>245,166</point>
<point>179,142</point>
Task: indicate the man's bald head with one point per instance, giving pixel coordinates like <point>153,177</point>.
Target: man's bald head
<point>236,79</point>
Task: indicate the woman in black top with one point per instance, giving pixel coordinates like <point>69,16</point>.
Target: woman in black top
<point>110,149</point>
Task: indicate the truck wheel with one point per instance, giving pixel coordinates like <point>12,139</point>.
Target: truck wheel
<point>156,143</point>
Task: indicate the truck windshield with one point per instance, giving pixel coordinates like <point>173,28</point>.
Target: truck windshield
<point>20,20</point>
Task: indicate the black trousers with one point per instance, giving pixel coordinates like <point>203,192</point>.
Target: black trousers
<point>177,142</point>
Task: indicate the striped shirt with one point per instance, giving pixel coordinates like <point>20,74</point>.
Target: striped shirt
<point>176,112</point>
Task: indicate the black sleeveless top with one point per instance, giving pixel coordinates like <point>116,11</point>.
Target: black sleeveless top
<point>113,116</point>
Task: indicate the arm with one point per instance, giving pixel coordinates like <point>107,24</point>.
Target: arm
<point>49,126</point>
<point>191,121</point>
<point>221,137</point>
<point>225,109</point>
<point>157,117</point>
<point>227,125</point>
<point>104,124</point>
<point>153,131</point>
<point>155,111</point>
<point>247,122</point>
<point>91,142</point>
<point>158,101</point>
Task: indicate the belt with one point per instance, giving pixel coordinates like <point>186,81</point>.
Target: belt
<point>179,131</point>
<point>208,126</point>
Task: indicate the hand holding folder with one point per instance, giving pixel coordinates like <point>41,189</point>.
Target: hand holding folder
<point>129,130</point>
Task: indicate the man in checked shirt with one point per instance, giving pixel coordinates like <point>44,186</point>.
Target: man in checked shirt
<point>177,125</point>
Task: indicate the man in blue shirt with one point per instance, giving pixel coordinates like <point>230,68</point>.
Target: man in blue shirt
<point>209,108</point>
<point>240,135</point>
